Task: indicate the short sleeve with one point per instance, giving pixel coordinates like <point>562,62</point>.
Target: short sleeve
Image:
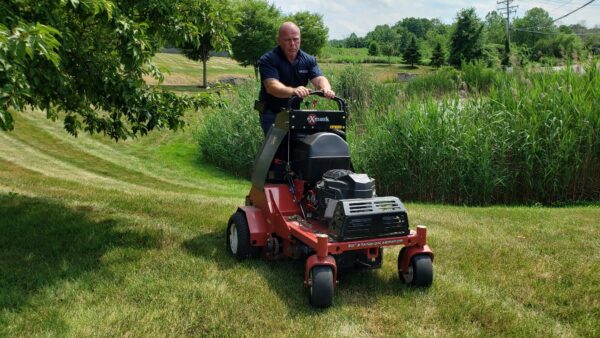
<point>267,68</point>
<point>314,70</point>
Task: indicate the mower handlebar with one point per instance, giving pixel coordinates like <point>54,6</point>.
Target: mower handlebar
<point>341,102</point>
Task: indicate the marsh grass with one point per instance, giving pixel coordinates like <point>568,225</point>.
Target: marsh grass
<point>533,137</point>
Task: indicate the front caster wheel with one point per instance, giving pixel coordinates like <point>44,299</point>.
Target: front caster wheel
<point>238,237</point>
<point>419,273</point>
<point>321,286</point>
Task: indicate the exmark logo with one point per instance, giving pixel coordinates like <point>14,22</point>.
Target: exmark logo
<point>312,119</point>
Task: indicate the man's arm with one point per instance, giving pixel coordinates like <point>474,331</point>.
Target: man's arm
<point>276,88</point>
<point>321,83</point>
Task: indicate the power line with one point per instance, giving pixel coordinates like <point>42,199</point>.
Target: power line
<point>555,20</point>
<point>551,33</point>
<point>573,11</point>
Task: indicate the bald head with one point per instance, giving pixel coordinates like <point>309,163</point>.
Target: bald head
<point>287,27</point>
<point>288,39</point>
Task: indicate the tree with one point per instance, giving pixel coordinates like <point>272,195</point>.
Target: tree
<point>495,28</point>
<point>87,60</point>
<point>418,26</point>
<point>354,41</point>
<point>388,50</point>
<point>383,35</point>
<point>373,48</point>
<point>256,32</point>
<point>205,25</point>
<point>535,19</point>
<point>313,31</point>
<point>411,54</point>
<point>466,42</point>
<point>438,58</point>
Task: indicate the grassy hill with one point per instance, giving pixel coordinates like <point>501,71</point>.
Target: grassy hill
<point>104,239</point>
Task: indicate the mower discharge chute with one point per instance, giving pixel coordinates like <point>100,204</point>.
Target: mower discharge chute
<point>306,202</point>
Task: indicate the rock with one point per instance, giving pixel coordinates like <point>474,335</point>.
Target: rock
<point>406,76</point>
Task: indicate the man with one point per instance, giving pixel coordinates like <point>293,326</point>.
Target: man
<point>284,72</point>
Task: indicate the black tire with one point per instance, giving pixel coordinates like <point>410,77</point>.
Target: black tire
<point>238,237</point>
<point>420,271</point>
<point>321,287</point>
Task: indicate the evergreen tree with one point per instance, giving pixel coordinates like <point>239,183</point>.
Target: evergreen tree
<point>373,49</point>
<point>466,42</point>
<point>411,54</point>
<point>438,58</point>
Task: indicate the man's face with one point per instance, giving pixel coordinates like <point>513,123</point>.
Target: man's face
<point>289,41</point>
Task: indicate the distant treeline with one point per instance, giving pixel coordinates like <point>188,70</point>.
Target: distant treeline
<point>534,37</point>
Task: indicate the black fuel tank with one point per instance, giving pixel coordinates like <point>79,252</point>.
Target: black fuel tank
<point>315,154</point>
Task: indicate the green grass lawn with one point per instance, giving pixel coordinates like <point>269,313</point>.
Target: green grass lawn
<point>103,239</point>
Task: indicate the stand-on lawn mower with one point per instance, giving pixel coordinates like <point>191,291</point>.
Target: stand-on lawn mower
<point>305,201</point>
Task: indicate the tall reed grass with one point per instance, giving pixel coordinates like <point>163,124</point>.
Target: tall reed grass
<point>230,135</point>
<point>533,138</point>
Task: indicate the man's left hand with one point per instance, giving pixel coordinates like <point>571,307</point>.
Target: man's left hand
<point>328,93</point>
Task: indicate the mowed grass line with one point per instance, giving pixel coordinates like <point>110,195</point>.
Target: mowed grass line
<point>78,258</point>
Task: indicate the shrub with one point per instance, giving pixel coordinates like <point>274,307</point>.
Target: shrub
<point>230,135</point>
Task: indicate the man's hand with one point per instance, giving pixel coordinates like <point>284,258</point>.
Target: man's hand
<point>328,93</point>
<point>301,92</point>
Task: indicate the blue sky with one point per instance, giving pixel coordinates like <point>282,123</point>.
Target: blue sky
<point>343,17</point>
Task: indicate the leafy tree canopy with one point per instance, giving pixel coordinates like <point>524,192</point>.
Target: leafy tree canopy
<point>418,26</point>
<point>256,32</point>
<point>495,28</point>
<point>535,19</point>
<point>313,30</point>
<point>85,60</point>
<point>204,26</point>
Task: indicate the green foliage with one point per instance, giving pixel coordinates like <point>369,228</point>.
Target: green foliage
<point>532,139</point>
<point>535,19</point>
<point>204,26</point>
<point>256,32</point>
<point>495,28</point>
<point>386,37</point>
<point>86,60</point>
<point>564,46</point>
<point>354,41</point>
<point>354,55</point>
<point>417,26</point>
<point>443,81</point>
<point>466,42</point>
<point>230,135</point>
<point>373,49</point>
<point>438,58</point>
<point>356,86</point>
<point>411,53</point>
<point>313,31</point>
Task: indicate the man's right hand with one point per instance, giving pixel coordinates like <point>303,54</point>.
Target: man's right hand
<point>301,92</point>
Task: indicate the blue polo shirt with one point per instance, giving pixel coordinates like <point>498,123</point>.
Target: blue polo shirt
<point>274,65</point>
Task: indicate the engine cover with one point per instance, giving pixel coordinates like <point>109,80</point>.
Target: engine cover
<point>341,184</point>
<point>356,219</point>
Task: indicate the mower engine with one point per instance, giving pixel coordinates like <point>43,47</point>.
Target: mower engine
<point>347,202</point>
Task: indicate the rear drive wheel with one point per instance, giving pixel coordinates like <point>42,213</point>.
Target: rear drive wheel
<point>321,286</point>
<point>419,273</point>
<point>238,237</point>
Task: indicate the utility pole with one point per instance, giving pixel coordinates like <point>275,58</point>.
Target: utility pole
<point>506,8</point>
